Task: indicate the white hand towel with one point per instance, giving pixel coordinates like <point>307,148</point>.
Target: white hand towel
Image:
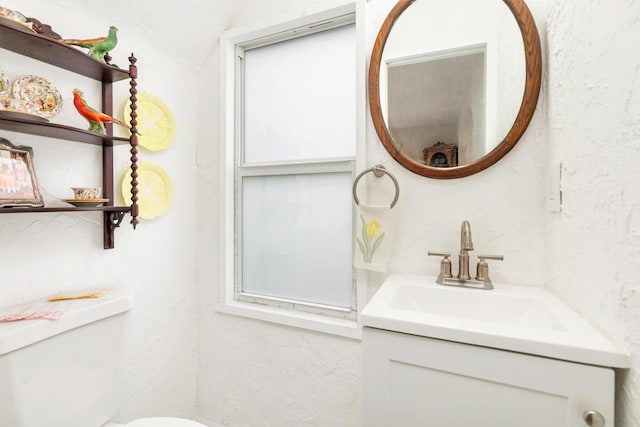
<point>373,237</point>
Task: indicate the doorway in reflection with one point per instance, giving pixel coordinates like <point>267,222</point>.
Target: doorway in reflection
<point>439,99</point>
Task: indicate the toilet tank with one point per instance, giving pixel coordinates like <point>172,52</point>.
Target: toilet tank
<point>64,373</point>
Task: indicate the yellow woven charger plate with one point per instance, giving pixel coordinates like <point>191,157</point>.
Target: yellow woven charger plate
<point>156,125</point>
<point>155,190</point>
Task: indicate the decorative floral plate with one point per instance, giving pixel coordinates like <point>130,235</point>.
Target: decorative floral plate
<point>41,92</point>
<point>155,190</point>
<point>5,86</point>
<point>155,122</point>
<point>14,19</point>
<point>16,25</point>
<point>13,15</point>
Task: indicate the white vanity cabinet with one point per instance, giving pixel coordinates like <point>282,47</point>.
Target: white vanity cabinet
<point>416,381</point>
<point>515,356</point>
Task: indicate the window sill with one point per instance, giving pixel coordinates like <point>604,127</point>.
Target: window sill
<point>296,319</point>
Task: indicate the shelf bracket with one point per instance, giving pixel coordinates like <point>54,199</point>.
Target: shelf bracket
<point>112,220</point>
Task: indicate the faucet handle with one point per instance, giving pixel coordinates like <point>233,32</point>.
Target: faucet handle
<point>482,271</point>
<point>444,254</point>
<point>445,265</point>
<point>495,257</point>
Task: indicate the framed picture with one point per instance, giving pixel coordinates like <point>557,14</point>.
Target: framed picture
<point>18,185</point>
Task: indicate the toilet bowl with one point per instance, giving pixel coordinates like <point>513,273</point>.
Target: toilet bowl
<point>65,372</point>
<point>158,422</point>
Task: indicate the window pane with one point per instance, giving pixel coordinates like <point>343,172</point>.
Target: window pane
<point>300,98</point>
<point>296,237</point>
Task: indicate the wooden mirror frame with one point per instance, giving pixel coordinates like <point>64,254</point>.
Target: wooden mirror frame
<point>533,77</point>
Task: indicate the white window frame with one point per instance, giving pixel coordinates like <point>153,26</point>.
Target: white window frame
<point>307,316</point>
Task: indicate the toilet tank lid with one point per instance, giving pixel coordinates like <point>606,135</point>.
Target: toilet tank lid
<point>79,312</point>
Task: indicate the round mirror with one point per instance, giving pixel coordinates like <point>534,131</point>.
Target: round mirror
<point>453,84</point>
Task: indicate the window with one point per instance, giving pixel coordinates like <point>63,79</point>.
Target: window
<point>291,131</point>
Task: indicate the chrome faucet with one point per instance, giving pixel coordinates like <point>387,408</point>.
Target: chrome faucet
<point>466,245</point>
<point>481,280</point>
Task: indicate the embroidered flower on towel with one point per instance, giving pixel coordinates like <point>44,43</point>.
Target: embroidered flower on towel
<point>368,246</point>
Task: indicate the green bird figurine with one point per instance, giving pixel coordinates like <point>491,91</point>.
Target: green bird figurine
<point>99,46</point>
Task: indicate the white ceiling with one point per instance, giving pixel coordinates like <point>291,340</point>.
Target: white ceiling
<point>187,28</point>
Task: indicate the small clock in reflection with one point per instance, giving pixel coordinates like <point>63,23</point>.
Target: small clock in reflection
<point>441,155</point>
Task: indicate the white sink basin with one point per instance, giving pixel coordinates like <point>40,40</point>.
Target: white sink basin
<point>517,318</point>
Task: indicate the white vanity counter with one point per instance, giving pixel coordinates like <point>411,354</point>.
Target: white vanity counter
<point>517,318</point>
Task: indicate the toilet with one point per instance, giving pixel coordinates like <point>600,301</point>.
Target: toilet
<point>64,373</point>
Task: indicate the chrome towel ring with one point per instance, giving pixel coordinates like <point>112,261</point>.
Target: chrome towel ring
<point>378,171</point>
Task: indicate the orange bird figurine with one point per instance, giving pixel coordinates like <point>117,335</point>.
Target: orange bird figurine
<point>96,118</point>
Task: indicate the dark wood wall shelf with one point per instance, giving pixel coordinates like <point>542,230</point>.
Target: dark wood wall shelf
<point>55,130</point>
<point>47,49</point>
<point>19,209</point>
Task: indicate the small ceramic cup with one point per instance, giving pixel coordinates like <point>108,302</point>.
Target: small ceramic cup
<point>86,193</point>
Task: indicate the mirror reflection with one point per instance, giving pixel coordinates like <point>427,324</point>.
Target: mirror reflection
<point>452,79</point>
<point>483,69</point>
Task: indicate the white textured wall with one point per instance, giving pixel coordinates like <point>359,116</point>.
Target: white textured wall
<point>45,253</point>
<point>243,362</point>
<point>593,82</point>
<point>587,254</point>
<point>252,373</point>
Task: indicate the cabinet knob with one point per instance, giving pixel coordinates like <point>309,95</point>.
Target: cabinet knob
<point>593,418</point>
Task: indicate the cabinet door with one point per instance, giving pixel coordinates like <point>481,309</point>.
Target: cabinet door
<point>416,381</point>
